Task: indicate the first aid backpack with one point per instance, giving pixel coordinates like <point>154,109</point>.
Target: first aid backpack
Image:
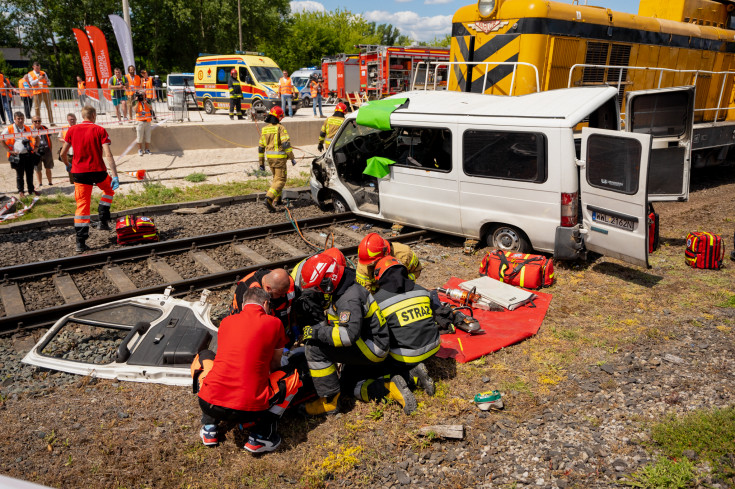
<point>135,229</point>
<point>521,269</point>
<point>704,250</point>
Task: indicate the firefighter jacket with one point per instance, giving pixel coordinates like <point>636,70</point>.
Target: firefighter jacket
<point>354,318</point>
<point>414,335</point>
<point>329,129</point>
<point>403,254</point>
<point>233,84</point>
<point>275,146</point>
<point>280,308</point>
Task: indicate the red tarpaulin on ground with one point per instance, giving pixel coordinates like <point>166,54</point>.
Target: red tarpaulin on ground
<point>501,328</point>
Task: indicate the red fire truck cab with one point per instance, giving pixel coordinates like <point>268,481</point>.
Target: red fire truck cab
<point>341,75</point>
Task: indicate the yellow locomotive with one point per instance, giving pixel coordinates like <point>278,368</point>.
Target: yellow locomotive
<point>514,47</point>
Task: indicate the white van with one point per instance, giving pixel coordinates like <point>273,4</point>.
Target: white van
<point>507,170</point>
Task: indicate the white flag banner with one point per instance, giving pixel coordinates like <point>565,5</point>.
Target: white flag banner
<point>124,40</point>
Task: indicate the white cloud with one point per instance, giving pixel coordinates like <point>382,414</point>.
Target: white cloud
<point>412,24</point>
<point>436,2</point>
<point>306,6</point>
<point>406,1</point>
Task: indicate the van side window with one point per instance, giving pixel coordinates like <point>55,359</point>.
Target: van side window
<point>427,148</point>
<point>245,76</point>
<point>223,74</point>
<point>505,155</point>
<point>613,163</point>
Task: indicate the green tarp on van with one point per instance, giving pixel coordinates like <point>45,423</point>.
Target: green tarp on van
<point>376,113</point>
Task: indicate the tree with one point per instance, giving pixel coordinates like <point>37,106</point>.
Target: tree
<point>389,35</point>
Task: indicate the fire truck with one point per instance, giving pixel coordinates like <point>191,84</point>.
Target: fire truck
<point>387,70</point>
<point>341,76</point>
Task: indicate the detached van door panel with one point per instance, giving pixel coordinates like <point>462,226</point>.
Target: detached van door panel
<point>613,187</point>
<point>667,115</point>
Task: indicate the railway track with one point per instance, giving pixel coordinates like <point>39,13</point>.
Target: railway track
<point>222,257</point>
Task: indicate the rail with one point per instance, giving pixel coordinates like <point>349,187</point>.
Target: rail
<point>514,64</point>
<point>661,73</point>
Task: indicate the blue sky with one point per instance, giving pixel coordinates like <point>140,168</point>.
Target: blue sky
<point>423,20</point>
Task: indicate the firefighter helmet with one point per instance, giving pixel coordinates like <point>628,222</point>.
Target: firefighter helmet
<point>341,107</point>
<point>337,255</point>
<point>372,248</point>
<point>233,72</point>
<point>277,112</point>
<point>384,264</point>
<point>322,272</point>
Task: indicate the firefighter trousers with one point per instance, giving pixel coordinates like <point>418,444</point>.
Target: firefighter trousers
<point>322,360</point>
<point>236,107</point>
<point>278,168</point>
<point>83,197</point>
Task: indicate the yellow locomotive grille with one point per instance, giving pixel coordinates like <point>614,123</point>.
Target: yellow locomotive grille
<point>501,47</point>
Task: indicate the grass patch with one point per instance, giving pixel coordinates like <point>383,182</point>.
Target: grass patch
<point>195,177</point>
<point>664,474</point>
<point>153,193</point>
<point>730,302</point>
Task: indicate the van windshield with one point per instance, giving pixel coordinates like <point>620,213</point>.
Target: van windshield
<point>178,80</point>
<point>299,81</point>
<point>267,74</point>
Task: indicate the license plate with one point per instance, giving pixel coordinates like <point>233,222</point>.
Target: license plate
<point>615,221</point>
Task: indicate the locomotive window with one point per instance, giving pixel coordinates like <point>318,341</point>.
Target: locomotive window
<point>505,155</point>
<point>613,163</point>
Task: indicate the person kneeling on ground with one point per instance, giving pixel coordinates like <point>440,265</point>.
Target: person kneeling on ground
<point>245,384</point>
<point>353,335</point>
<point>372,248</point>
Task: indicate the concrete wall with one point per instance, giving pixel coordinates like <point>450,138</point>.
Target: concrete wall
<point>190,135</point>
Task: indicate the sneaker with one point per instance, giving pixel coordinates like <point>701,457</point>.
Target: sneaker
<point>209,435</point>
<point>148,151</point>
<point>262,444</point>
<point>269,205</point>
<point>420,377</point>
<point>140,152</point>
<point>398,391</point>
<point>321,406</point>
<point>489,400</point>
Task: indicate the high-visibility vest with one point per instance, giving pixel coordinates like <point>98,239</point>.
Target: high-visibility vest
<point>315,88</point>
<point>133,84</point>
<point>80,88</point>
<point>285,87</point>
<point>147,83</point>
<point>2,86</point>
<point>25,88</point>
<point>42,86</point>
<point>143,112</point>
<point>11,142</point>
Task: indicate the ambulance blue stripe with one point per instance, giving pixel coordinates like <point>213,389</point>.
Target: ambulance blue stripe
<point>222,61</point>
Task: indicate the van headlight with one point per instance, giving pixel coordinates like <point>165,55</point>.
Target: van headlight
<point>486,7</point>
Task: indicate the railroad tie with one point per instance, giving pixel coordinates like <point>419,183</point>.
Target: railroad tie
<point>350,234</point>
<point>163,269</point>
<point>118,277</point>
<point>207,262</point>
<point>320,240</point>
<point>290,249</point>
<point>250,254</point>
<point>12,299</point>
<point>67,288</point>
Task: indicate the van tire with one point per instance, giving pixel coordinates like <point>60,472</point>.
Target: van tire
<point>209,107</point>
<point>339,205</point>
<point>508,238</point>
<point>306,102</point>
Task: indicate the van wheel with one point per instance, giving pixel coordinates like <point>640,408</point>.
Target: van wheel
<point>339,205</point>
<point>209,107</point>
<point>306,102</point>
<point>507,238</point>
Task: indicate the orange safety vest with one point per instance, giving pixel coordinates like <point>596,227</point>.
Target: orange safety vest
<point>42,82</point>
<point>280,308</point>
<point>80,88</point>
<point>133,84</point>
<point>143,112</point>
<point>315,88</point>
<point>147,83</point>
<point>285,87</point>
<point>25,88</point>
<point>2,86</point>
<point>11,142</point>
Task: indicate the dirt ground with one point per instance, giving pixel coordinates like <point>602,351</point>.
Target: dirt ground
<point>580,396</point>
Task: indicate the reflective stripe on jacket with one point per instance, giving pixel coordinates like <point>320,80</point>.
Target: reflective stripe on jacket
<point>403,254</point>
<point>274,143</point>
<point>329,129</point>
<point>414,335</point>
<point>233,84</point>
<point>11,142</point>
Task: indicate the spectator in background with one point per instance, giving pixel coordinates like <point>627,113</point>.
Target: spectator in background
<point>43,149</point>
<point>315,87</point>
<point>146,84</point>
<point>20,153</point>
<point>26,95</point>
<point>117,85</point>
<point>158,85</point>
<point>81,92</point>
<point>6,98</point>
<point>39,83</point>
<point>133,87</point>
<point>143,116</point>
<point>285,89</point>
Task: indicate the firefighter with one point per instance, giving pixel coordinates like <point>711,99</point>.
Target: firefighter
<point>233,84</point>
<point>275,146</point>
<point>354,335</point>
<point>281,288</point>
<point>372,248</point>
<point>331,126</point>
<point>408,310</point>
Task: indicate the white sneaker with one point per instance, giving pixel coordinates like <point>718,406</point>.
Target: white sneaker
<point>148,151</point>
<point>140,152</point>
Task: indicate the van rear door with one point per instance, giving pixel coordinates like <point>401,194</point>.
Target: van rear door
<point>667,115</point>
<point>613,188</point>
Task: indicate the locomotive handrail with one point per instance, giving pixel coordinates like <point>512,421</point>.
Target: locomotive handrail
<point>661,72</point>
<point>515,65</point>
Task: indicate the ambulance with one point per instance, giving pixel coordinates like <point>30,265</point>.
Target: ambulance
<point>258,75</point>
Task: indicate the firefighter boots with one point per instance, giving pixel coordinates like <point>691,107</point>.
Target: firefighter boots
<point>269,204</point>
<point>81,245</point>
<point>323,405</point>
<point>398,391</point>
<point>419,376</point>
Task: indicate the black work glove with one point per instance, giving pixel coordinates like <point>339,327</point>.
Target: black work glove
<point>320,147</point>
<point>293,162</point>
<point>261,167</point>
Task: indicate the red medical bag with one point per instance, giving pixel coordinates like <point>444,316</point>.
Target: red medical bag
<point>135,229</point>
<point>704,250</point>
<point>521,269</point>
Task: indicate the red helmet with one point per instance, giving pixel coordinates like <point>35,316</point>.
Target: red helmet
<point>337,255</point>
<point>372,248</point>
<point>321,271</point>
<point>277,112</point>
<point>341,107</point>
<point>233,72</point>
<point>384,264</point>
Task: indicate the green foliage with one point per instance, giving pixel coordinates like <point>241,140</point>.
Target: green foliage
<point>730,302</point>
<point>195,177</point>
<point>664,474</point>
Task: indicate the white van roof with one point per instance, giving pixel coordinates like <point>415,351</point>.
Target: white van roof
<point>566,106</point>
